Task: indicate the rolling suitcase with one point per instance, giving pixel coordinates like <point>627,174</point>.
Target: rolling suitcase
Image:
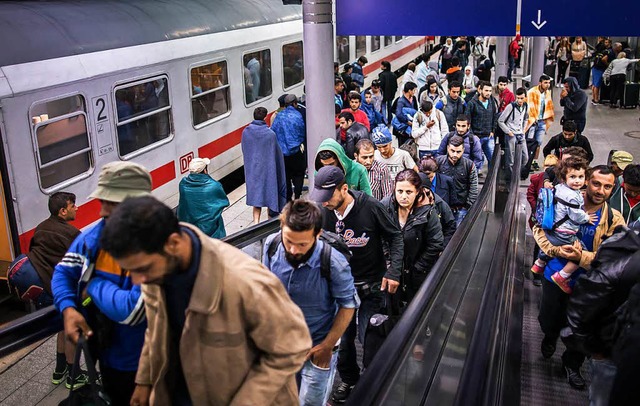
<point>605,93</point>
<point>630,96</point>
<point>550,70</point>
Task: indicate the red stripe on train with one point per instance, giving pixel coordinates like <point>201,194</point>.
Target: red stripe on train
<point>222,144</point>
<point>90,211</point>
<point>372,66</point>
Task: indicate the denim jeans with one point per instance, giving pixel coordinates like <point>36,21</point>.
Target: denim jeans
<point>347,356</point>
<point>540,131</point>
<point>488,145</point>
<point>460,215</point>
<point>316,383</point>
<point>512,67</point>
<point>603,373</point>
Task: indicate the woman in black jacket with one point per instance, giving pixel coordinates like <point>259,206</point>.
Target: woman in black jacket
<point>421,231</point>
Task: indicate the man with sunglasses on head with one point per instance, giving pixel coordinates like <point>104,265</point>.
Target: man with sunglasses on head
<point>364,225</point>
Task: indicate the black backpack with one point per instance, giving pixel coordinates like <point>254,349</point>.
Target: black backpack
<point>330,240</point>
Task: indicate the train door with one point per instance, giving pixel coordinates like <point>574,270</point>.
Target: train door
<point>6,240</point>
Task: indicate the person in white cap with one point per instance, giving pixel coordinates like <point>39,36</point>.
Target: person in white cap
<point>202,199</point>
<point>96,298</point>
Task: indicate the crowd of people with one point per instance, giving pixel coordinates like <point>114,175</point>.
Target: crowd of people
<point>168,307</point>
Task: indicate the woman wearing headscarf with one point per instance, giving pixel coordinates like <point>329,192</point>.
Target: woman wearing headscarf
<point>446,53</point>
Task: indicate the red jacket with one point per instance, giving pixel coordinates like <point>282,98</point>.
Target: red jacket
<point>360,117</point>
<point>537,183</point>
<point>514,48</point>
<point>506,97</point>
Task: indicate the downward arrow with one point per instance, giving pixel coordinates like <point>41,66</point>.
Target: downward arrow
<point>539,24</point>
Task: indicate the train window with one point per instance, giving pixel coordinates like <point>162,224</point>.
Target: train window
<point>342,45</point>
<point>388,40</point>
<point>257,75</point>
<point>361,45</point>
<point>62,139</point>
<point>399,38</point>
<point>375,43</point>
<point>144,114</point>
<point>210,96</point>
<point>292,64</point>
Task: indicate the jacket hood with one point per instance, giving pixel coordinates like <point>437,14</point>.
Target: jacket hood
<point>573,84</point>
<point>333,146</point>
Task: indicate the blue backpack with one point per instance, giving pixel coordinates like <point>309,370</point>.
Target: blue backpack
<point>546,207</point>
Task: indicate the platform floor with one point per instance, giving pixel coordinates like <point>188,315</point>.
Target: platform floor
<point>25,378</point>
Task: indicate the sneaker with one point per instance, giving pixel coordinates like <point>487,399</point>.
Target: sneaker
<point>595,103</point>
<point>58,376</point>
<point>81,380</point>
<point>537,282</point>
<point>561,282</point>
<point>537,269</point>
<point>548,347</point>
<point>535,166</point>
<point>342,392</point>
<point>574,377</point>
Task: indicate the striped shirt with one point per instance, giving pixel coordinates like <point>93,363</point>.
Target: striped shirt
<point>380,180</point>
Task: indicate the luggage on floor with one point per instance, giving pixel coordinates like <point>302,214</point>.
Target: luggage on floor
<point>550,70</point>
<point>630,96</point>
<point>605,93</point>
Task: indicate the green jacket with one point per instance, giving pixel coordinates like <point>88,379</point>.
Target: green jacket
<point>356,175</point>
<point>620,202</point>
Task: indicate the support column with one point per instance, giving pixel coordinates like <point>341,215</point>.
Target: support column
<point>502,61</point>
<point>537,59</point>
<point>318,74</point>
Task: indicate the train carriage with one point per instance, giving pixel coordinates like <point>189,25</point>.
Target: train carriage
<point>158,83</point>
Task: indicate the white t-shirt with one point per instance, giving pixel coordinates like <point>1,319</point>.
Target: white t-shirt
<point>399,161</point>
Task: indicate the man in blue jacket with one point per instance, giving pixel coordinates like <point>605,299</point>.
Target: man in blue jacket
<point>96,297</point>
<point>357,75</point>
<point>472,145</point>
<point>202,199</point>
<point>291,134</point>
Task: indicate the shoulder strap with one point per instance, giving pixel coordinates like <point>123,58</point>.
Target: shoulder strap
<point>572,205</point>
<point>325,263</point>
<point>273,246</point>
<point>609,216</point>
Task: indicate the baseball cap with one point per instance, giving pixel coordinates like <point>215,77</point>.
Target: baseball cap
<point>290,98</point>
<point>119,180</point>
<point>326,180</point>
<point>622,158</point>
<point>381,135</point>
<point>197,165</point>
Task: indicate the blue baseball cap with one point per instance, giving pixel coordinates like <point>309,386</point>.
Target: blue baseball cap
<point>381,135</point>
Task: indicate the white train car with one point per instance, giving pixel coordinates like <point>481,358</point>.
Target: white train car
<point>158,83</point>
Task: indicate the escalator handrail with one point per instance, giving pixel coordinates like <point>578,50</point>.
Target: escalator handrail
<point>43,323</point>
<point>374,381</point>
<point>481,377</point>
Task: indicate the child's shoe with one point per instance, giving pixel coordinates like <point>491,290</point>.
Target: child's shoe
<point>563,283</point>
<point>537,269</point>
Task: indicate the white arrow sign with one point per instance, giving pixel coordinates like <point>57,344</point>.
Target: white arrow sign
<point>539,24</point>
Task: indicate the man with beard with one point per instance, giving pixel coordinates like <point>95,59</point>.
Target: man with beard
<point>553,303</point>
<point>379,174</point>
<point>221,328</point>
<point>364,225</point>
<point>318,279</point>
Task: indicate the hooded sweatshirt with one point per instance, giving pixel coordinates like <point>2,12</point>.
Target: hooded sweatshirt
<point>356,175</point>
<point>366,226</point>
<point>575,103</point>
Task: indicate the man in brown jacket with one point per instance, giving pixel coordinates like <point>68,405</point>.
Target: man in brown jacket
<point>221,328</point>
<point>553,303</point>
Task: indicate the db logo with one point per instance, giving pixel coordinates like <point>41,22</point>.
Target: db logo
<point>185,160</point>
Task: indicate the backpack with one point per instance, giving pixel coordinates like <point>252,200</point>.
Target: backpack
<point>545,209</point>
<point>330,240</point>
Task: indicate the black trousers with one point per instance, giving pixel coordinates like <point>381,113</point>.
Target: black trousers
<point>492,49</point>
<point>562,70</point>
<point>294,167</point>
<point>617,88</point>
<point>119,385</point>
<point>553,318</point>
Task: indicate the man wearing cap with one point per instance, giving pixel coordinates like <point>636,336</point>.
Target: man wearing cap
<point>619,161</point>
<point>364,225</point>
<point>396,159</point>
<point>290,132</point>
<point>96,297</point>
<point>202,199</point>
<point>627,197</point>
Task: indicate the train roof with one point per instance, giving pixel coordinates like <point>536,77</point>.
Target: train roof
<point>40,30</point>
